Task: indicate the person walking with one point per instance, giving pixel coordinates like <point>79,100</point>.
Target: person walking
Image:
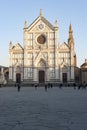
<point>18,86</point>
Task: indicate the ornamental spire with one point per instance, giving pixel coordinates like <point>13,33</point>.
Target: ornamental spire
<point>70,32</point>
<point>10,45</point>
<point>70,39</point>
<point>25,24</point>
<point>56,23</point>
<point>40,12</point>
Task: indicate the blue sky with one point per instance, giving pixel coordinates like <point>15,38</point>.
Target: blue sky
<point>14,13</point>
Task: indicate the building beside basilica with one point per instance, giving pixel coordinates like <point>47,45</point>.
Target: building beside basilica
<point>84,72</point>
<point>42,59</point>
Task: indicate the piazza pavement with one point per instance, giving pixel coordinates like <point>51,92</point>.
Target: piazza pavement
<point>43,109</point>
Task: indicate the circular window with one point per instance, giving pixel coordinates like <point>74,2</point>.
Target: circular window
<point>41,39</point>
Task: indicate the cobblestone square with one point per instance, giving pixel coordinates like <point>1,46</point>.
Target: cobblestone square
<point>38,109</point>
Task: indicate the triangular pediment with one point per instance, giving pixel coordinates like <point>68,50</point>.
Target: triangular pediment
<point>35,26</point>
<point>64,65</point>
<point>17,47</point>
<point>64,46</point>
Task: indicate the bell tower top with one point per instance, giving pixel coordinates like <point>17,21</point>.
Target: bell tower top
<point>70,28</point>
<point>70,39</point>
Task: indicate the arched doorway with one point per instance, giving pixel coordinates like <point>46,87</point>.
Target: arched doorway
<point>18,77</point>
<point>41,76</point>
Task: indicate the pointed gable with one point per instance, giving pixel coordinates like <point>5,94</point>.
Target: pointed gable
<point>39,20</point>
<point>17,47</point>
<point>64,46</point>
<point>39,57</point>
<point>47,23</point>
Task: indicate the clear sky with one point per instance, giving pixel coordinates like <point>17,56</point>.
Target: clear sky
<point>13,13</point>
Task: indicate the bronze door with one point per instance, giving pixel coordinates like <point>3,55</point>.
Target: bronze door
<point>41,76</point>
<point>64,77</point>
<point>18,77</point>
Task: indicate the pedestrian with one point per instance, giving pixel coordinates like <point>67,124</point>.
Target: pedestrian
<point>19,86</point>
<point>15,84</point>
<point>60,85</point>
<point>51,85</point>
<point>74,85</point>
<point>35,86</point>
<point>84,85</point>
<point>45,87</point>
<point>79,86</point>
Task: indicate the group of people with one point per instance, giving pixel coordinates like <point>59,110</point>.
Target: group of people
<point>49,85</point>
<point>81,85</point>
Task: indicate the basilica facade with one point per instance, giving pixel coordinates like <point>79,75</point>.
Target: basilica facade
<point>42,59</point>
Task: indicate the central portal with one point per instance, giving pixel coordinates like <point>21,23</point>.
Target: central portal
<point>64,77</point>
<point>41,76</point>
<point>18,78</point>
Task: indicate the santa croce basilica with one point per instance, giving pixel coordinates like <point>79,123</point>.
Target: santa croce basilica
<point>42,59</point>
